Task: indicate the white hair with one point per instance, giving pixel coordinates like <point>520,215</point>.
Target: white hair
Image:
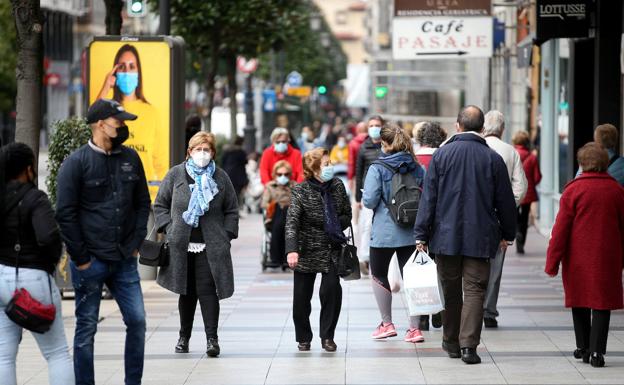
<point>494,123</point>
<point>277,131</point>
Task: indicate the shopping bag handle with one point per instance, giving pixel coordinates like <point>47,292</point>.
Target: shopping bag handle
<point>421,260</point>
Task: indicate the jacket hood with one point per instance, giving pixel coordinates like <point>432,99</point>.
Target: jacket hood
<point>522,151</point>
<point>590,175</point>
<point>402,160</point>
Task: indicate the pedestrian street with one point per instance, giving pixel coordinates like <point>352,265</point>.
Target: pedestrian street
<point>533,344</point>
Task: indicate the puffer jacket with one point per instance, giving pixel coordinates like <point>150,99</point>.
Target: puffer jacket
<point>305,232</point>
<point>369,152</point>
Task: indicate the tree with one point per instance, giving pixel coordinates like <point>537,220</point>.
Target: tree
<point>114,19</point>
<point>7,53</point>
<point>221,30</point>
<point>29,28</point>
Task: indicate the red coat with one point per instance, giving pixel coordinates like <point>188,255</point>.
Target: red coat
<point>588,240</point>
<point>270,157</point>
<point>532,172</point>
<point>354,149</point>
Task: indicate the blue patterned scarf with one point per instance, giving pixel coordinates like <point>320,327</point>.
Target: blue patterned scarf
<point>202,191</point>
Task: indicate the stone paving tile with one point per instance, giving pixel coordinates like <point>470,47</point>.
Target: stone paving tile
<point>533,344</point>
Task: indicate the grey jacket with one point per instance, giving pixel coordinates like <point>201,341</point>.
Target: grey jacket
<point>219,225</point>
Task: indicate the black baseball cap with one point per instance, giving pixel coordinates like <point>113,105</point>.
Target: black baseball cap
<point>107,108</point>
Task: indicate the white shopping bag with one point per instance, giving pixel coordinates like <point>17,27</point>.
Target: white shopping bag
<point>420,284</point>
<point>394,275</point>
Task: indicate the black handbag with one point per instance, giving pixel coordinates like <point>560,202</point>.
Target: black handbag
<point>23,309</point>
<point>346,261</point>
<point>153,253</point>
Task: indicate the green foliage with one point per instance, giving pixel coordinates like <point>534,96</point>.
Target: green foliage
<point>8,53</point>
<point>67,136</point>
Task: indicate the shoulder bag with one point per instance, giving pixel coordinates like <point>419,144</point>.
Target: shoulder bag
<point>153,253</point>
<point>346,261</point>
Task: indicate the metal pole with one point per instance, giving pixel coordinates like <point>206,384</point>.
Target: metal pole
<point>164,27</point>
<point>249,130</point>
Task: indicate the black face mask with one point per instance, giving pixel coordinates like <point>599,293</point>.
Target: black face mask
<point>122,135</point>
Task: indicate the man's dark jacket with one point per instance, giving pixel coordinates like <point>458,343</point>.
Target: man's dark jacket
<point>467,205</point>
<point>102,204</point>
<point>369,152</point>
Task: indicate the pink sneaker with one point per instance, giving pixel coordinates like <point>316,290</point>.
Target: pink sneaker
<point>413,336</point>
<point>384,331</point>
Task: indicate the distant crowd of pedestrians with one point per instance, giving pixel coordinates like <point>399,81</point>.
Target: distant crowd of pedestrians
<point>472,194</point>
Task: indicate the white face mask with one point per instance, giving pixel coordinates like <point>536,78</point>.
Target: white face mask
<point>283,180</point>
<point>201,158</point>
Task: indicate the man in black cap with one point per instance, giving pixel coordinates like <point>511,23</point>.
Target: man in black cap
<point>102,209</point>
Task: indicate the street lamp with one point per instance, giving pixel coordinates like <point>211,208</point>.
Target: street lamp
<point>325,39</point>
<point>315,21</point>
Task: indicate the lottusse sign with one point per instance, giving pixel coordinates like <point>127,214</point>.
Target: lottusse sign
<point>561,18</point>
<point>438,37</point>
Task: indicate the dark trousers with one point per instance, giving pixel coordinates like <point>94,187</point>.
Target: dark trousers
<point>278,237</point>
<point>463,316</point>
<point>330,295</point>
<point>591,328</point>
<point>200,286</point>
<point>380,262</point>
<point>523,224</point>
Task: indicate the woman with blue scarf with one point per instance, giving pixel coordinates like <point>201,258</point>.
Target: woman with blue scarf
<point>197,209</point>
<point>319,212</point>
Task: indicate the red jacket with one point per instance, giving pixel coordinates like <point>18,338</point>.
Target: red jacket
<point>270,157</point>
<point>532,172</point>
<point>354,148</point>
<point>588,240</point>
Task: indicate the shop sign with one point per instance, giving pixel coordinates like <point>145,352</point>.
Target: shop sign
<point>441,37</point>
<point>442,7</point>
<point>561,19</point>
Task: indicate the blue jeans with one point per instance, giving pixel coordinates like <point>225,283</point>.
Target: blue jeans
<point>122,279</point>
<point>52,344</point>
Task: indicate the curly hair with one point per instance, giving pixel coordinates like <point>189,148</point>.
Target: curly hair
<point>312,161</point>
<point>431,134</point>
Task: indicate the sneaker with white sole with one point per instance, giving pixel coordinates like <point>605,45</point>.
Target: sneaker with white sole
<point>414,336</point>
<point>384,331</point>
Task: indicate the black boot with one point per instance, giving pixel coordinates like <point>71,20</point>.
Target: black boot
<point>597,360</point>
<point>212,347</point>
<point>436,320</point>
<point>183,345</point>
<point>470,356</point>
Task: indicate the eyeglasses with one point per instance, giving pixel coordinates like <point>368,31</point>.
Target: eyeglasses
<point>281,142</point>
<point>286,174</point>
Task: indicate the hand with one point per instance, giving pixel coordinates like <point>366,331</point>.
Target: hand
<point>503,245</point>
<point>135,253</point>
<point>552,275</point>
<point>359,205</point>
<point>293,259</point>
<point>84,266</point>
<point>421,247</point>
<point>109,81</point>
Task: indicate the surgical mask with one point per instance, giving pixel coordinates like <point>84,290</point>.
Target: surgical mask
<point>342,143</point>
<point>122,135</point>
<point>327,173</point>
<point>127,82</point>
<point>374,132</point>
<point>283,180</point>
<point>201,158</point>
<point>304,136</point>
<point>280,147</point>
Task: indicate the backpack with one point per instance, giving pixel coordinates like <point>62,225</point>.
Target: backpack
<point>405,196</point>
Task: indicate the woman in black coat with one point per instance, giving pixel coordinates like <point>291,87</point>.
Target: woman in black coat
<point>233,161</point>
<point>319,212</point>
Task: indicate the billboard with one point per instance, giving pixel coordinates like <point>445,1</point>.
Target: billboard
<point>141,73</point>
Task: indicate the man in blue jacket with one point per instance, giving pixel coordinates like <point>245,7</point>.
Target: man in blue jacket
<point>466,213</point>
<point>102,208</point>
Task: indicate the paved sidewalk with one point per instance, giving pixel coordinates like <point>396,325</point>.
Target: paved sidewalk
<point>533,344</point>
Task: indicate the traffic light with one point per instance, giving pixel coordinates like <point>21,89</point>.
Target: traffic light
<point>136,8</point>
<point>381,92</point>
<point>322,90</point>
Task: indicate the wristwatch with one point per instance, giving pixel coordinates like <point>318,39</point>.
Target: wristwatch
<point>509,243</point>
<point>421,242</point>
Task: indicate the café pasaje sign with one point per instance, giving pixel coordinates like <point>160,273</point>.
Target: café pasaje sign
<point>442,7</point>
<point>441,37</point>
<point>561,18</point>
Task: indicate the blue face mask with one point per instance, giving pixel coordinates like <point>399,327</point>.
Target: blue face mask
<point>283,180</point>
<point>280,147</point>
<point>127,82</point>
<point>374,132</point>
<point>327,173</point>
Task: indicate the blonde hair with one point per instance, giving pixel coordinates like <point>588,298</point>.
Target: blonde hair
<point>200,138</point>
<point>312,161</point>
<point>521,138</point>
<point>396,139</point>
<point>279,164</point>
<point>279,131</point>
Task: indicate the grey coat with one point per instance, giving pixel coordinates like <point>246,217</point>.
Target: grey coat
<point>219,225</point>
